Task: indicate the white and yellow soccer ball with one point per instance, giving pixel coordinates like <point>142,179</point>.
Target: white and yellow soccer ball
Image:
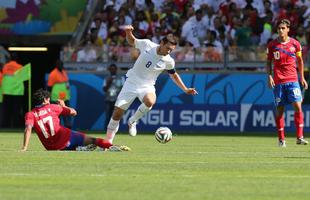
<point>163,135</point>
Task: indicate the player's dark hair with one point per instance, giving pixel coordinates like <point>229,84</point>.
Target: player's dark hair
<point>284,21</point>
<point>171,39</point>
<point>39,96</point>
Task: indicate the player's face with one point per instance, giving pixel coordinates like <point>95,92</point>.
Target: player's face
<point>283,30</point>
<point>165,49</point>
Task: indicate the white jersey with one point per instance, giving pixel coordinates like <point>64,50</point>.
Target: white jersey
<point>149,64</point>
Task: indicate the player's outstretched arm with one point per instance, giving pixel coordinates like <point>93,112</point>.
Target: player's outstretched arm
<point>178,81</point>
<point>129,35</point>
<point>27,134</point>
<point>62,104</point>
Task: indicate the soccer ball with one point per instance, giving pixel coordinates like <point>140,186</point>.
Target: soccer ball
<point>163,135</point>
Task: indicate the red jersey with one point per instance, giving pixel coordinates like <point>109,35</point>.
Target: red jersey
<point>284,60</point>
<point>46,123</point>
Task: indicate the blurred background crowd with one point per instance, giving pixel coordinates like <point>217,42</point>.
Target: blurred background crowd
<point>209,30</point>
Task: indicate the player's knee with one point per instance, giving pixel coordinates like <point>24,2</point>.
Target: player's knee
<point>117,117</point>
<point>297,107</point>
<point>149,99</point>
<point>117,114</point>
<point>298,110</point>
<point>149,103</point>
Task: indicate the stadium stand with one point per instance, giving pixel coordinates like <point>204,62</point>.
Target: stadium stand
<point>214,34</point>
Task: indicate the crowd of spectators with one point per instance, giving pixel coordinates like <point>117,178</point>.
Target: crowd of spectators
<point>208,29</point>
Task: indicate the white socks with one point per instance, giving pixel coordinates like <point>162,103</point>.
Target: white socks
<point>142,110</point>
<point>111,130</point>
<point>114,125</point>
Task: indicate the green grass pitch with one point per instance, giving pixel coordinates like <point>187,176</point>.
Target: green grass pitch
<point>189,167</point>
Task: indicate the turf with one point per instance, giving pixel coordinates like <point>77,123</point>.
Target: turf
<point>189,167</point>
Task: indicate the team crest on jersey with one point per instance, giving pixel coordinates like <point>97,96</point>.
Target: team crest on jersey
<point>292,49</point>
<point>160,65</point>
<point>160,62</point>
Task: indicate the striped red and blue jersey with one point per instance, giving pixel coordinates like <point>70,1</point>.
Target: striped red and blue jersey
<point>284,58</point>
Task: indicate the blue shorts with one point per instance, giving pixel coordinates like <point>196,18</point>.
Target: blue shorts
<point>76,139</point>
<point>287,93</point>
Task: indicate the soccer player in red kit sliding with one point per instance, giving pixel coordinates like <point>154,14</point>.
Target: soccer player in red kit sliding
<point>285,52</point>
<point>45,120</point>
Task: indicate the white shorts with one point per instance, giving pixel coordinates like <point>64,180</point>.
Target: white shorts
<point>130,92</point>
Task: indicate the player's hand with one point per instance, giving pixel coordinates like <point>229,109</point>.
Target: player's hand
<point>191,91</point>
<point>128,28</point>
<point>304,84</point>
<point>61,102</point>
<point>271,83</point>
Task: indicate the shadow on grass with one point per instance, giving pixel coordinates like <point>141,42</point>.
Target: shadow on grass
<point>247,134</point>
<point>296,157</point>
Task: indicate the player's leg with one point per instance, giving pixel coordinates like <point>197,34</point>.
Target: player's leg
<point>295,97</point>
<point>299,123</point>
<point>102,143</point>
<point>96,141</point>
<point>78,139</point>
<point>81,142</point>
<point>113,125</point>
<point>280,101</point>
<point>148,101</point>
<point>124,100</point>
<point>280,125</point>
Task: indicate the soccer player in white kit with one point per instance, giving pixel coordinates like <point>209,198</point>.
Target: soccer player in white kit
<point>141,78</point>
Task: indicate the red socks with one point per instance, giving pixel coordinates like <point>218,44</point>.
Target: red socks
<point>103,143</point>
<point>280,127</point>
<point>299,124</point>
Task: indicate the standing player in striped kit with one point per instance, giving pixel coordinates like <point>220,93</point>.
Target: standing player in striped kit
<point>284,52</point>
